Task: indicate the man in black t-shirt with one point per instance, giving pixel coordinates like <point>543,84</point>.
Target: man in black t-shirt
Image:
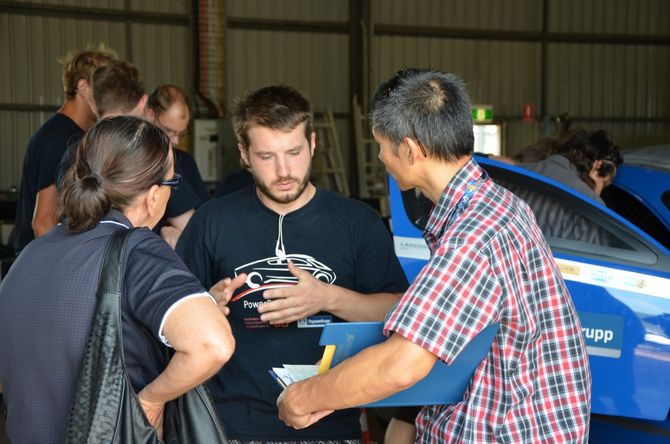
<point>285,258</point>
<point>116,89</point>
<point>38,197</point>
<point>169,108</point>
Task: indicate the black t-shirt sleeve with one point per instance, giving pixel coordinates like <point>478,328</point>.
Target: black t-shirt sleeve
<point>192,247</point>
<point>377,267</point>
<point>48,165</point>
<point>155,279</point>
<point>54,150</point>
<point>65,163</point>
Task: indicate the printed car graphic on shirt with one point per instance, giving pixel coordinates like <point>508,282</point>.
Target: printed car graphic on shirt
<point>273,272</point>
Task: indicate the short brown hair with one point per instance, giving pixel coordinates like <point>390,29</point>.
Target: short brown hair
<point>117,87</point>
<point>278,107</point>
<point>79,65</point>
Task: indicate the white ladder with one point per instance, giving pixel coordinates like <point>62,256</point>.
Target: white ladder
<point>372,177</point>
<point>328,166</point>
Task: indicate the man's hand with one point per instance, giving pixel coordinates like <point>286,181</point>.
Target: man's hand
<point>224,289</point>
<point>154,412</point>
<point>309,296</point>
<point>293,418</point>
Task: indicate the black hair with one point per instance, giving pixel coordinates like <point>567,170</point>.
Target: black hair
<point>428,105</point>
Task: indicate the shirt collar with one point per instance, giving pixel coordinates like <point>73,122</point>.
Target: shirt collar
<point>450,197</point>
<point>117,217</point>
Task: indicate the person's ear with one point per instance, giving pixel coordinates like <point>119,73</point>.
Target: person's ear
<point>152,201</point>
<point>413,150</point>
<point>85,91</point>
<point>244,155</point>
<point>83,88</point>
<point>139,108</point>
<point>312,143</point>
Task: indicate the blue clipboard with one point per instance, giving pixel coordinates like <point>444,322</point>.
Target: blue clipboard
<point>445,384</point>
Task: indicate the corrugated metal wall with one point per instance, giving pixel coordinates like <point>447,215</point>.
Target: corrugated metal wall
<point>521,15</point>
<point>318,64</point>
<point>645,17</point>
<point>34,35</point>
<point>314,60</point>
<point>308,10</point>
<point>603,62</point>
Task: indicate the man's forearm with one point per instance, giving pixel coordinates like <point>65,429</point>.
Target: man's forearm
<point>357,307</point>
<point>180,222</point>
<point>45,216</point>
<point>372,374</point>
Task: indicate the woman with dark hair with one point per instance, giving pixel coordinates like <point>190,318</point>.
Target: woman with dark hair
<point>593,156</point>
<point>584,160</point>
<point>121,179</point>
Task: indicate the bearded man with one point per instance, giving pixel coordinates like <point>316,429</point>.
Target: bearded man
<point>285,257</point>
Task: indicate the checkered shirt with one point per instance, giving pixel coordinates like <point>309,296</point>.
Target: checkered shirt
<point>488,264</point>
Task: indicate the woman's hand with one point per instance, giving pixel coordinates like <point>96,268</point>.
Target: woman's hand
<point>154,412</point>
<point>223,291</point>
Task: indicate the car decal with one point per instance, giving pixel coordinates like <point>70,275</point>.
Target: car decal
<point>614,278</point>
<point>416,248</point>
<point>411,247</point>
<point>603,334</point>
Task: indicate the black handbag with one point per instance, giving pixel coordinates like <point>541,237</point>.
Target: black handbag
<point>105,408</point>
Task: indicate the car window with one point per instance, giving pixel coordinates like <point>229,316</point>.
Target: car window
<point>569,224</point>
<point>632,209</point>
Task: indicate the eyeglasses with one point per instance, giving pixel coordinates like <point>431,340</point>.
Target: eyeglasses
<point>172,183</point>
<point>391,87</point>
<point>172,133</point>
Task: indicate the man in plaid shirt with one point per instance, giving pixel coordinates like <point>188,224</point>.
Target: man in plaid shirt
<point>489,263</point>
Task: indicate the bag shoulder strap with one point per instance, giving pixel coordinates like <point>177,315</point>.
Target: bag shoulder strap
<point>113,263</point>
<point>103,385</point>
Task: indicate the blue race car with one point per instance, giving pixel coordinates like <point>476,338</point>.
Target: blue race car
<point>619,279</point>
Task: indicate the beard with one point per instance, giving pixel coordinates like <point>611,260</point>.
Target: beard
<point>283,197</point>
